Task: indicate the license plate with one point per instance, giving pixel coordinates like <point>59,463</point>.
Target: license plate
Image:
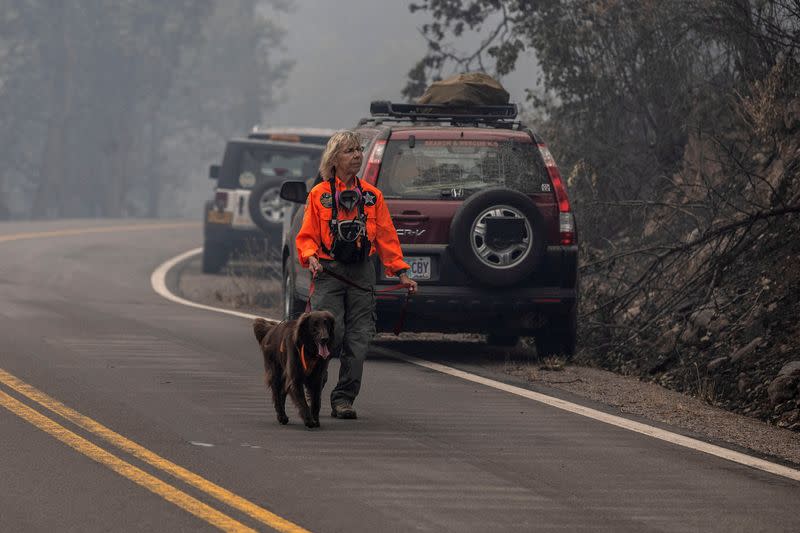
<point>219,217</point>
<point>420,267</point>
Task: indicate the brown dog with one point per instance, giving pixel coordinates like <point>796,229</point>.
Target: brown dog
<point>296,360</point>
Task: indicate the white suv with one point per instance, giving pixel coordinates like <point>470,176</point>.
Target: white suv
<point>246,213</point>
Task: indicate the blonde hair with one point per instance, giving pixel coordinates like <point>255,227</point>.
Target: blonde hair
<point>338,142</point>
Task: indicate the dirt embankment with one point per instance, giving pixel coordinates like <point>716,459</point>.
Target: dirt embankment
<point>713,310</point>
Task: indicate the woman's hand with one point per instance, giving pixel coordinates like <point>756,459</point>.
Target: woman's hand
<point>408,282</point>
<point>314,265</point>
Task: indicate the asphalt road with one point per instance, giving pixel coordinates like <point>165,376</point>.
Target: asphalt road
<point>122,411</point>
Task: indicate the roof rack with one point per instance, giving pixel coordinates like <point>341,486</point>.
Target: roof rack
<point>289,134</point>
<point>292,129</point>
<point>498,116</point>
<point>443,111</point>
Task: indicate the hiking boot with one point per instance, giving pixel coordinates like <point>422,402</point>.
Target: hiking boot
<point>343,410</point>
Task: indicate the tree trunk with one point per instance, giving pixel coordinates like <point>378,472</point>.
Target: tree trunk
<point>153,180</point>
<point>47,201</point>
<point>118,157</point>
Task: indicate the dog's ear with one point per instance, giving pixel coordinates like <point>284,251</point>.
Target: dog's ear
<point>261,327</point>
<point>330,321</point>
<point>301,326</point>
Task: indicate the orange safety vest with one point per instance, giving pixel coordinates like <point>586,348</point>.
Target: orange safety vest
<point>315,232</point>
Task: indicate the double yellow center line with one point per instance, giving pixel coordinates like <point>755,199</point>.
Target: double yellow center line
<point>86,231</point>
<point>138,476</point>
<point>111,461</point>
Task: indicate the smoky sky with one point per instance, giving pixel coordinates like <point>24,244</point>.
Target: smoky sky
<point>349,52</point>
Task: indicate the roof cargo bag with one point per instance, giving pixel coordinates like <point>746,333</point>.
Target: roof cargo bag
<point>472,88</point>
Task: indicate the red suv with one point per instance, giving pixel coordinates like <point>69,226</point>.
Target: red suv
<point>483,218</point>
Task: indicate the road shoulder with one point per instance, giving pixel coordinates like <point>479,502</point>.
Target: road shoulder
<point>614,393</point>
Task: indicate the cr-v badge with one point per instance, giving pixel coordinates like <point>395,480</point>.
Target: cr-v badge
<point>403,232</point>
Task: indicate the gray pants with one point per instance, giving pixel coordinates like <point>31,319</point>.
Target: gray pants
<point>354,310</point>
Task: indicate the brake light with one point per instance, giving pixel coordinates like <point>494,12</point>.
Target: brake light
<point>221,200</point>
<point>566,222</point>
<point>374,162</point>
<point>566,228</point>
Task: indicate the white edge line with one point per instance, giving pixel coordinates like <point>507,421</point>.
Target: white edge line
<point>158,281</point>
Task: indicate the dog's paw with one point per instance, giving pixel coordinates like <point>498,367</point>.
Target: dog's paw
<point>283,419</point>
<point>311,423</point>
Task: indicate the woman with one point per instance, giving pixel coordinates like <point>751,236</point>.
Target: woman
<point>345,222</point>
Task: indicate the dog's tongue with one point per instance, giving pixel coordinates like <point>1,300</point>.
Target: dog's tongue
<point>323,351</point>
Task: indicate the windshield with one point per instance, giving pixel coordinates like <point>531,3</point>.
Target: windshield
<point>456,168</point>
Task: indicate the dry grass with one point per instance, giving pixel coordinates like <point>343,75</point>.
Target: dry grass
<point>552,364</point>
<point>253,280</point>
<point>705,388</point>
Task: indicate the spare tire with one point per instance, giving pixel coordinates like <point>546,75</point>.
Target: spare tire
<point>266,207</point>
<point>497,236</point>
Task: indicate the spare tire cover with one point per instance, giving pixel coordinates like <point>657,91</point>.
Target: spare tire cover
<point>266,207</point>
<point>497,236</point>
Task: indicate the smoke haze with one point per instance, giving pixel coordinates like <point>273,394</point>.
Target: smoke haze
<point>350,52</point>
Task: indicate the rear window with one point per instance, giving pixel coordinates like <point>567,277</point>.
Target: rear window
<point>254,164</point>
<point>440,168</point>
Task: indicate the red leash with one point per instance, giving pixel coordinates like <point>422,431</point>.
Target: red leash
<point>310,293</point>
<point>400,321</point>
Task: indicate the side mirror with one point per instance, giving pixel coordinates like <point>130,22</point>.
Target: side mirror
<point>213,172</point>
<point>294,191</point>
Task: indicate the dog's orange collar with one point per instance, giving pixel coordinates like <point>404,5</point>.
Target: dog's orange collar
<point>308,368</point>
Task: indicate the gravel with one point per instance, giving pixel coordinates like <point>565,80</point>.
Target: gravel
<point>656,403</point>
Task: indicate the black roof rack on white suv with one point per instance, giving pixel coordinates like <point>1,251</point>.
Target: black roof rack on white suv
<point>300,135</point>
